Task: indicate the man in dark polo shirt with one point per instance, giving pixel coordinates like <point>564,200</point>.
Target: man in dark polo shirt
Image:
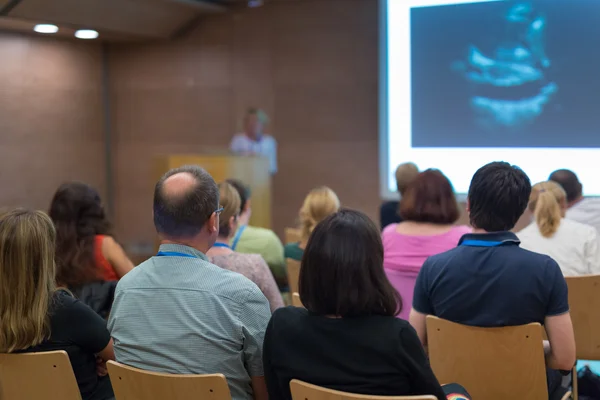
<point>489,281</point>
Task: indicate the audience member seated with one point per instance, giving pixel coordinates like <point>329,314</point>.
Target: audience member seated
<point>573,245</point>
<point>388,212</point>
<point>178,313</point>
<point>252,266</point>
<point>347,338</point>
<point>254,240</point>
<point>489,281</point>
<point>85,250</point>
<point>319,203</point>
<point>581,209</point>
<point>35,316</point>
<point>428,209</point>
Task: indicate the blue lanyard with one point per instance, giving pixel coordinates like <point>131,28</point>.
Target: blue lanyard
<point>237,237</point>
<point>173,254</point>
<point>225,245</point>
<point>480,243</point>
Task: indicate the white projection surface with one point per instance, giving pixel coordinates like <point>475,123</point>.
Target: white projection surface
<point>439,112</point>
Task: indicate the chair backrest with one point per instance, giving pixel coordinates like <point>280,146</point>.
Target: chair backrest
<point>491,363</point>
<point>135,384</point>
<point>292,235</point>
<point>305,391</point>
<point>296,302</point>
<point>46,375</point>
<point>293,274</point>
<point>584,302</point>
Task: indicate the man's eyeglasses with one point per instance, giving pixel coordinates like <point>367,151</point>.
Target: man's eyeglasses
<point>219,210</point>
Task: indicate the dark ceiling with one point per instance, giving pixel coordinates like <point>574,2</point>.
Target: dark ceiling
<point>115,20</point>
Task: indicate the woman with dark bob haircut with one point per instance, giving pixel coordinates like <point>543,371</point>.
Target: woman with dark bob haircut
<point>429,211</point>
<point>85,250</point>
<point>347,338</point>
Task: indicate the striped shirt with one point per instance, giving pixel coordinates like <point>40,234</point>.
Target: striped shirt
<point>180,314</point>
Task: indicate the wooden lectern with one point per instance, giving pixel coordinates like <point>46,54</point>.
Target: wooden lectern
<point>251,170</point>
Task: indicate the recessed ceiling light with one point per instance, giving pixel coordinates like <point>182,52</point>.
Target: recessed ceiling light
<point>86,34</point>
<point>45,28</point>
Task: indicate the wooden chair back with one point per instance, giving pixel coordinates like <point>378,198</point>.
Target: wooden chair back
<point>135,384</point>
<point>491,363</point>
<point>296,302</point>
<point>293,274</point>
<point>46,375</point>
<point>584,302</point>
<point>291,235</point>
<point>305,391</point>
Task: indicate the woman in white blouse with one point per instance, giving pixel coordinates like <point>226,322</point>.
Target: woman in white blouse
<point>573,245</point>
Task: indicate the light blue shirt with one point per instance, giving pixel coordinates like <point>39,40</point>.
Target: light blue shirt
<point>180,314</point>
<point>266,147</point>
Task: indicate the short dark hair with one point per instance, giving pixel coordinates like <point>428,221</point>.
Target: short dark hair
<point>342,269</point>
<point>429,197</point>
<point>243,190</point>
<point>185,215</point>
<point>498,196</point>
<point>569,182</point>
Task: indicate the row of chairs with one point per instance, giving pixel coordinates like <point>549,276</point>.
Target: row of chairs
<point>49,376</point>
<point>496,363</point>
<point>492,363</point>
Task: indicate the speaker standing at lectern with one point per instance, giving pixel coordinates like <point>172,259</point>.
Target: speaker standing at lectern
<point>253,141</point>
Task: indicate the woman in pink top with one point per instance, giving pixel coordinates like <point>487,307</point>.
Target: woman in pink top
<point>429,211</point>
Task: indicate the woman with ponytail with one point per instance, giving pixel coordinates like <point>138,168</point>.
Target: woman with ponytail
<point>573,245</point>
<point>318,204</point>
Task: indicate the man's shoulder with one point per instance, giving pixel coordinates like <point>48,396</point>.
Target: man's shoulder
<point>133,277</point>
<point>529,262</point>
<point>232,284</point>
<point>207,277</point>
<point>455,254</point>
<point>591,203</point>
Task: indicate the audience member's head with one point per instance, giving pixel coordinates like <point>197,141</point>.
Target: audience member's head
<point>548,203</point>
<point>255,121</point>
<point>26,278</point>
<point>569,182</point>
<point>79,216</point>
<point>498,196</point>
<point>429,198</point>
<point>244,192</point>
<point>342,269</point>
<point>318,204</point>
<point>230,201</point>
<point>186,207</point>
<point>405,173</point>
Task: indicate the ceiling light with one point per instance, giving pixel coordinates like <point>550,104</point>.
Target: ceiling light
<point>86,34</point>
<point>45,28</point>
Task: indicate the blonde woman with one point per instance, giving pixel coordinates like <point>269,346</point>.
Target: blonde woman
<point>573,245</point>
<point>319,204</point>
<point>35,316</point>
<point>252,266</point>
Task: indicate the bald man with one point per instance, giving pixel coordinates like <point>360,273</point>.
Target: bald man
<point>581,209</point>
<point>177,313</point>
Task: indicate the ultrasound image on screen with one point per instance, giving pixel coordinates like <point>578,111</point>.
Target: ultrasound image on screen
<point>506,74</point>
